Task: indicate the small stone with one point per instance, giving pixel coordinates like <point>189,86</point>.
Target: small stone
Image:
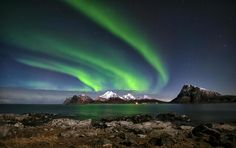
<point>85,123</point>
<point>106,141</point>
<point>126,143</point>
<point>183,127</point>
<point>107,145</point>
<point>99,124</point>
<point>2,145</point>
<point>142,136</point>
<point>18,125</point>
<point>122,135</point>
<point>4,130</point>
<point>70,133</point>
<point>92,133</point>
<point>214,141</point>
<point>155,141</point>
<point>125,123</point>
<point>111,124</point>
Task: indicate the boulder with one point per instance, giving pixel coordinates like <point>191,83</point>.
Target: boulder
<point>70,123</point>
<point>172,117</point>
<point>85,123</point>
<point>18,125</point>
<point>205,129</point>
<point>125,124</point>
<point>99,124</point>
<point>228,140</point>
<point>140,118</point>
<point>224,127</point>
<point>163,140</point>
<point>155,141</point>
<point>4,130</point>
<point>68,134</point>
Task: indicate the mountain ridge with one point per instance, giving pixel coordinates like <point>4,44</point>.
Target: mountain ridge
<point>194,94</point>
<point>188,94</point>
<point>110,97</point>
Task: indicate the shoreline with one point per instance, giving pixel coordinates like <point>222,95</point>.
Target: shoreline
<point>162,130</point>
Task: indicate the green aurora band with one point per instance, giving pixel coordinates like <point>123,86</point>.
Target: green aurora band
<point>98,66</point>
<point>82,75</point>
<point>119,26</point>
<point>121,76</point>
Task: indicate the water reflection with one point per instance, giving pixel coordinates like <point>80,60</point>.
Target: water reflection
<point>199,112</point>
<point>97,111</point>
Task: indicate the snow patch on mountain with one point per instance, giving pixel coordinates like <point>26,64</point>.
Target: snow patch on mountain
<point>109,94</point>
<point>146,97</point>
<point>129,97</point>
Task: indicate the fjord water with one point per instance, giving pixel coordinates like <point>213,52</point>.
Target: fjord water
<point>197,112</point>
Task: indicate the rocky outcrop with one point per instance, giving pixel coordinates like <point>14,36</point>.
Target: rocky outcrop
<point>130,131</point>
<point>193,94</point>
<point>68,123</point>
<point>214,136</point>
<point>80,99</point>
<point>27,119</point>
<point>173,117</point>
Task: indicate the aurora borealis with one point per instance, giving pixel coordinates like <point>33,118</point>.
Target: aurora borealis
<point>97,45</point>
<point>118,25</point>
<point>96,71</point>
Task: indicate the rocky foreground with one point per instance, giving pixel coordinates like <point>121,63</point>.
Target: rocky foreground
<point>164,130</point>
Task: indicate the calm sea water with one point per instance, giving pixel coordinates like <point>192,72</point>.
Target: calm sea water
<point>198,112</point>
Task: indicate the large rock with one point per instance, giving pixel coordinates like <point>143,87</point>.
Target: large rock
<point>65,123</point>
<point>163,140</point>
<point>215,135</point>
<point>205,129</point>
<point>172,117</point>
<point>99,124</point>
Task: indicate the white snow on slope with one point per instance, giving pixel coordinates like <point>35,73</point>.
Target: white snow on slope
<point>129,97</point>
<point>109,94</point>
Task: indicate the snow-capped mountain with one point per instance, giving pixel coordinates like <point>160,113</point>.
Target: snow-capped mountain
<point>128,97</point>
<point>109,94</point>
<point>146,97</point>
<point>109,98</point>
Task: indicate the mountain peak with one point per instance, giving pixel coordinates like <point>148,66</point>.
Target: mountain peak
<point>146,97</point>
<point>194,94</point>
<point>129,97</point>
<point>109,94</point>
<point>80,99</point>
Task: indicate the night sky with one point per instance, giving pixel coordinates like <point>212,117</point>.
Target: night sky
<point>151,46</point>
